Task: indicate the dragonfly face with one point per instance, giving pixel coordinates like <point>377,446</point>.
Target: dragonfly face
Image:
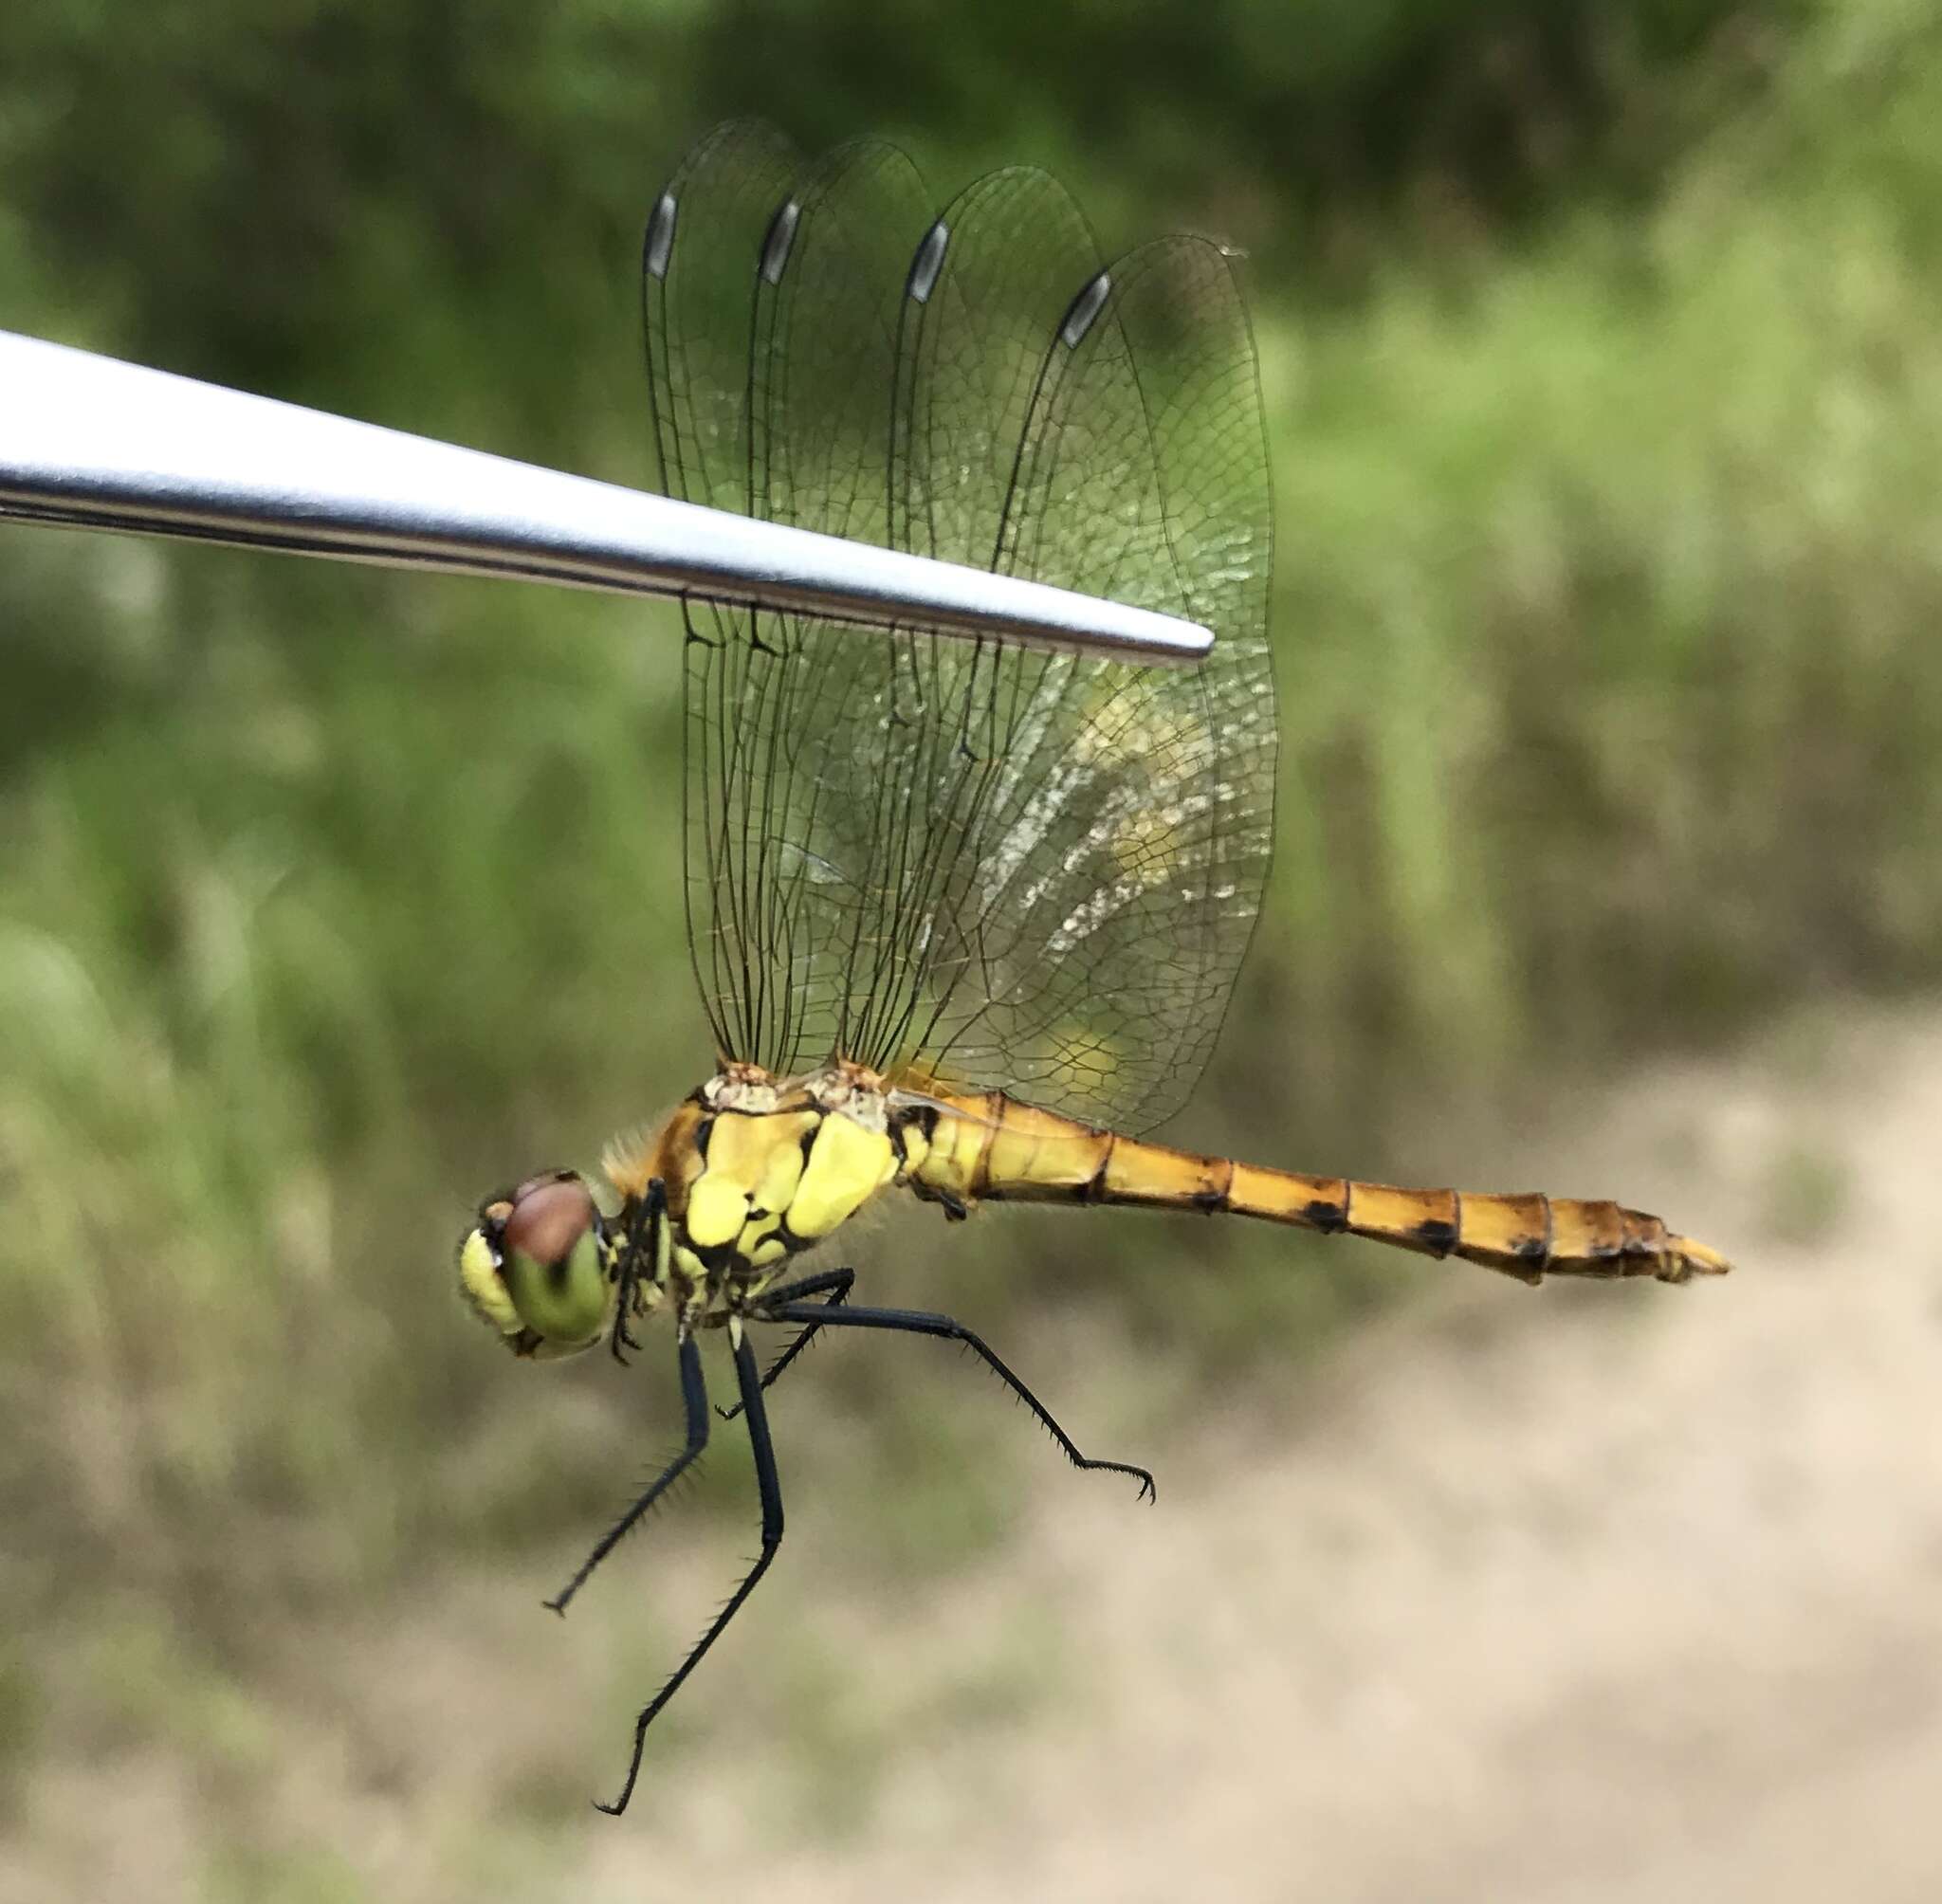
<point>539,1266</point>
<point>963,917</point>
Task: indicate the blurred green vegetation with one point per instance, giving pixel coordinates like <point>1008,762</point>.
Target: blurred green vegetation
<point>1606,396</point>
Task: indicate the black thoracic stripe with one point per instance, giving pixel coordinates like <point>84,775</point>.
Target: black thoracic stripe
<point>981,1171</point>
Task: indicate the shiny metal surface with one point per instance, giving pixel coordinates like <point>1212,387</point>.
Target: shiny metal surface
<point>93,441</point>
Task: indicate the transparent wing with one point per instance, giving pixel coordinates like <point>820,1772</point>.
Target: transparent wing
<point>964,861</point>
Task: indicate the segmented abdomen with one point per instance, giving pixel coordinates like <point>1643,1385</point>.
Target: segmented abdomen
<point>991,1147</point>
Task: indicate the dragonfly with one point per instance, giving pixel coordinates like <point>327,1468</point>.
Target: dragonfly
<point>964,916</point>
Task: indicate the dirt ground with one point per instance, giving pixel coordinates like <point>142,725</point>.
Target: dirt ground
<point>1582,1596</point>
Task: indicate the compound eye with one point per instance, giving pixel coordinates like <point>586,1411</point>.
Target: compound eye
<point>536,1266</point>
<point>547,1219</point>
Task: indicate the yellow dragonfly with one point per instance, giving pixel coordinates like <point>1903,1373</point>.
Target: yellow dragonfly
<point>964,915</point>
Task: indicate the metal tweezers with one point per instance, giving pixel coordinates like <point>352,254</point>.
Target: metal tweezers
<point>91,442</point>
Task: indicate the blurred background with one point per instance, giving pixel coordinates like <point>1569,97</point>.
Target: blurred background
<point>1601,349</point>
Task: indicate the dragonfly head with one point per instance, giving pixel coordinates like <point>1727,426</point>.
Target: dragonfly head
<point>538,1266</point>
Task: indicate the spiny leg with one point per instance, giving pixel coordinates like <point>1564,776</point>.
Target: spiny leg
<point>694,1401</point>
<point>782,1307</point>
<point>837,1283</point>
<point>748,1378</point>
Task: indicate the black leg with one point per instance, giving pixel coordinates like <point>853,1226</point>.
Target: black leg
<point>643,1235</point>
<point>837,1283</point>
<point>630,1274</point>
<point>749,1380</point>
<point>783,1308</point>
<point>694,1398</point>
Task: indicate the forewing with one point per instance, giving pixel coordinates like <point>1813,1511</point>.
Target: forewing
<point>966,861</point>
<point>746,250</point>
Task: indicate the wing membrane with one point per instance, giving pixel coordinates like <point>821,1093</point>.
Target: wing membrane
<point>960,861</point>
